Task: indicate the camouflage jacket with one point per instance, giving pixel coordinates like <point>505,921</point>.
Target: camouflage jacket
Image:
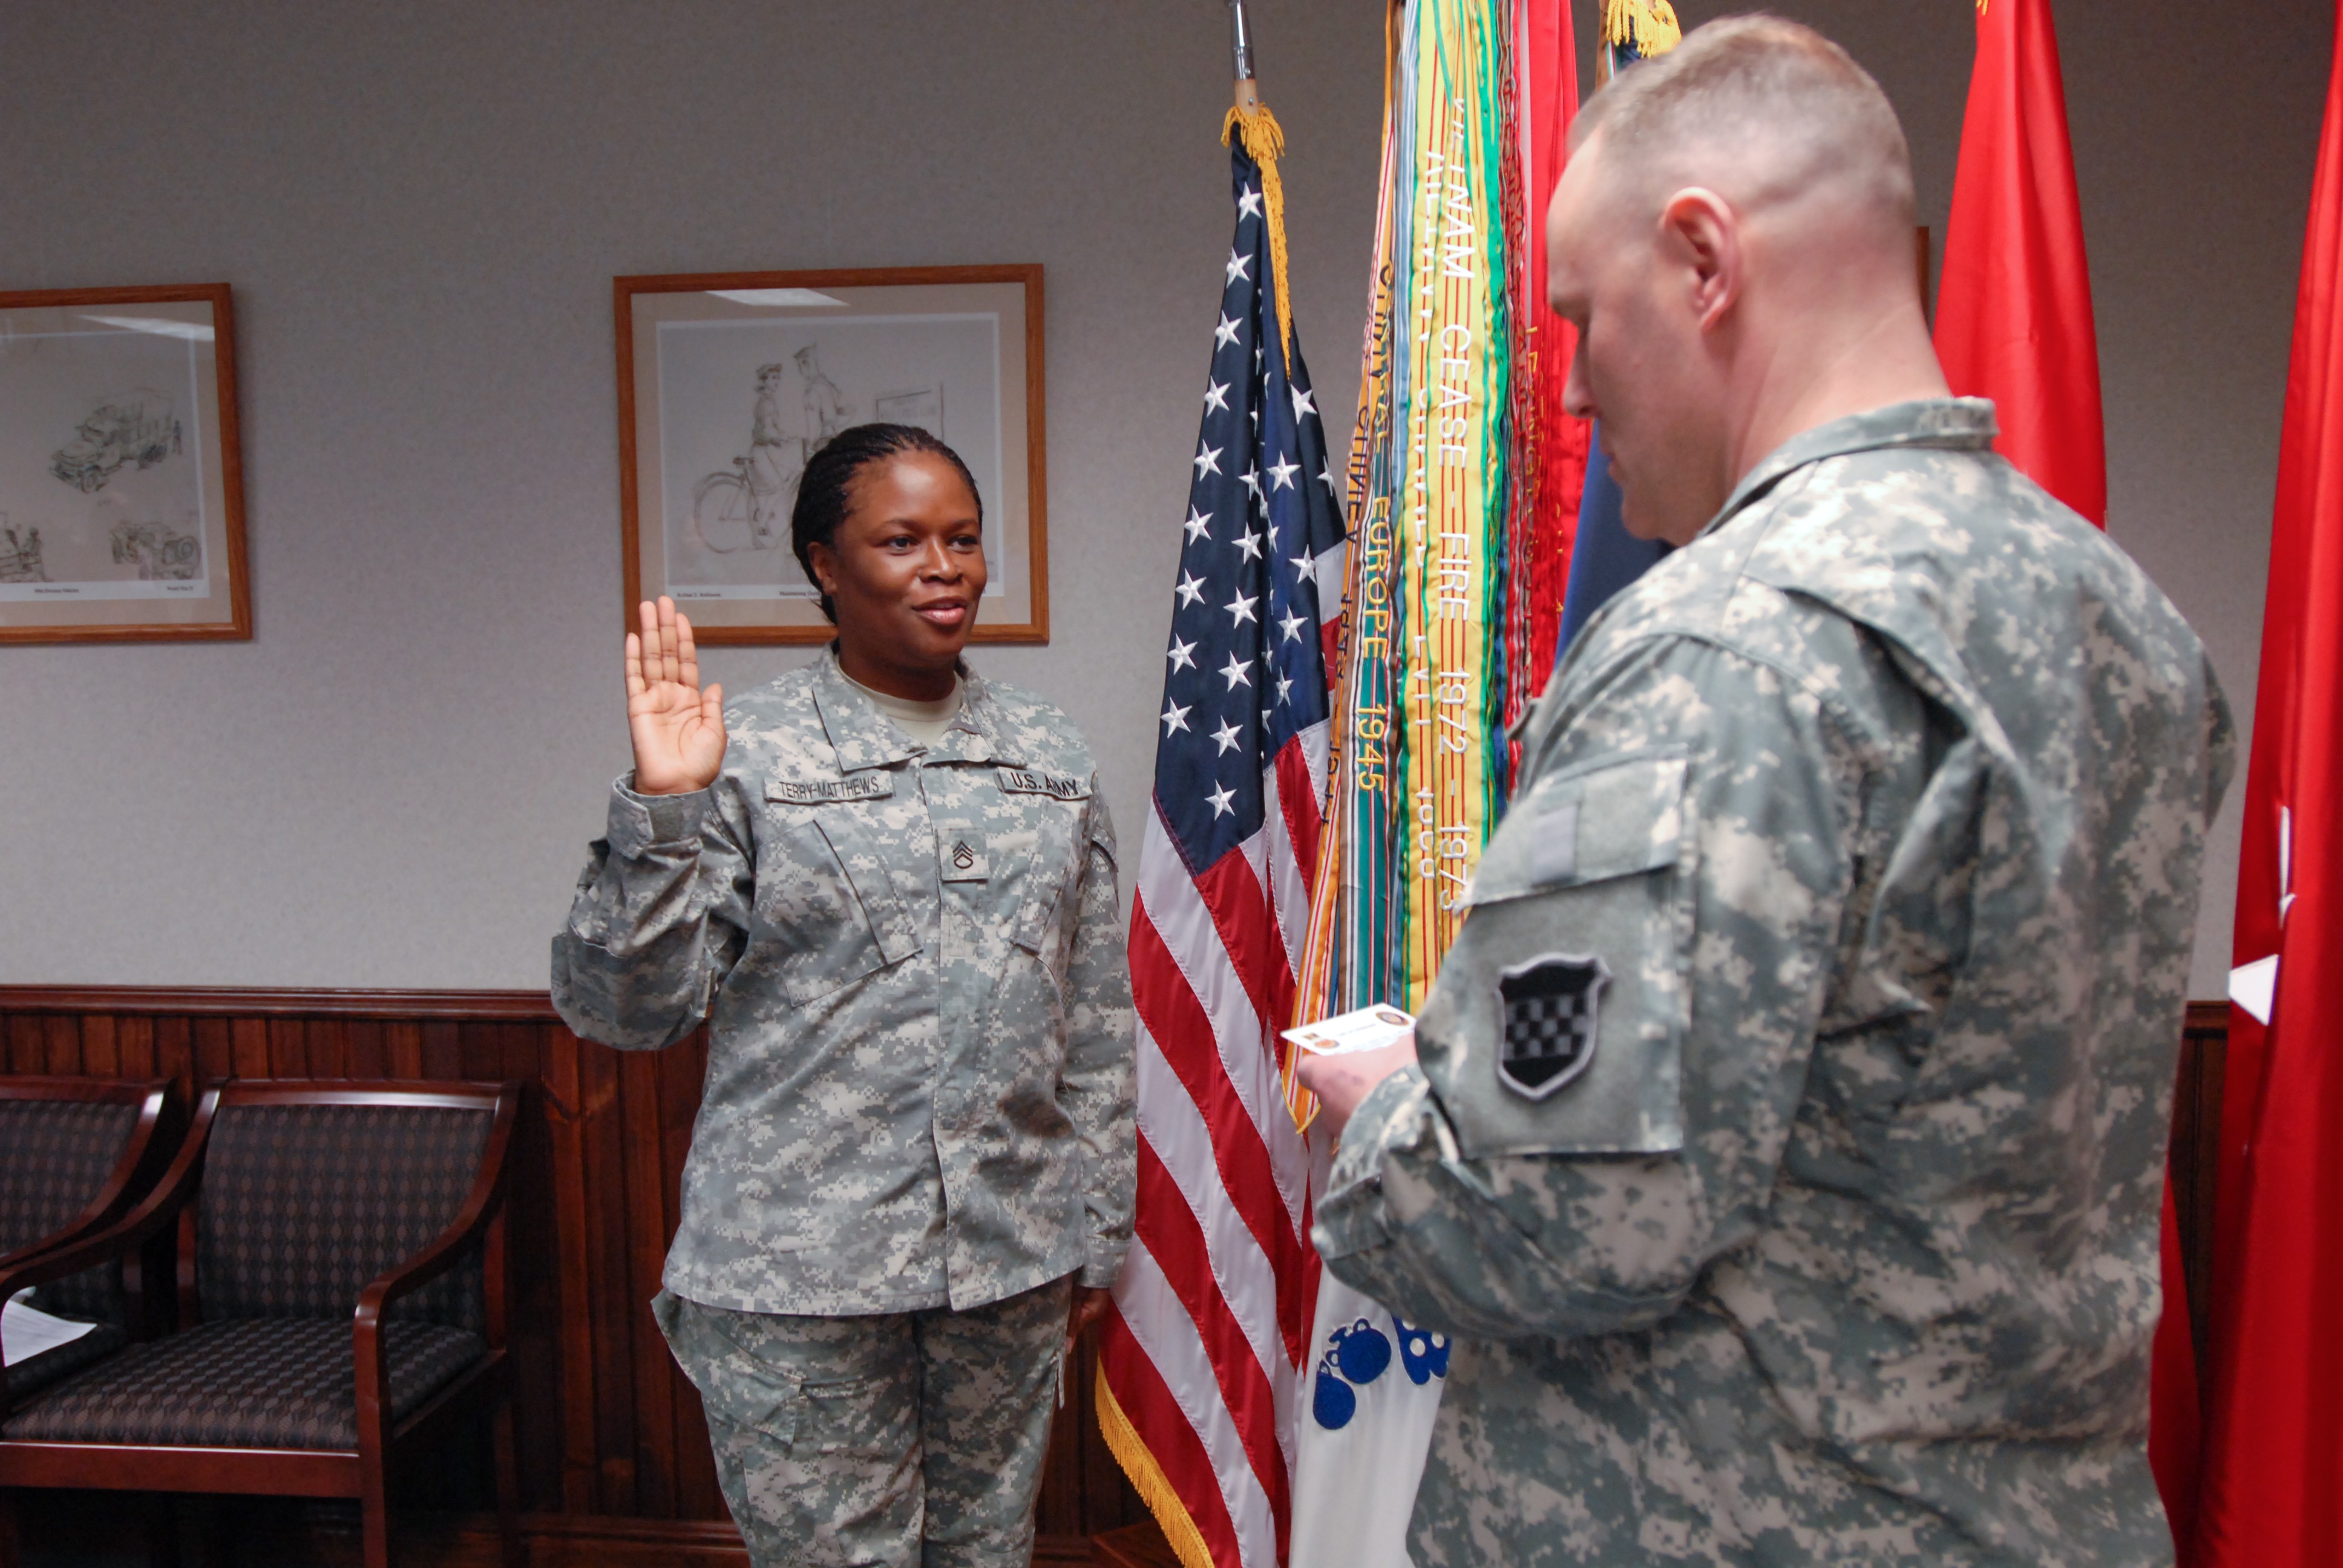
<point>1792,1109</point>
<point>918,1087</point>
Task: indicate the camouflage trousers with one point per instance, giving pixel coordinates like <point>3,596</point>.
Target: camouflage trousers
<point>896,1439</point>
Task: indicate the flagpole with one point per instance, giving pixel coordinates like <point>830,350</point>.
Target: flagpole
<point>1241,42</point>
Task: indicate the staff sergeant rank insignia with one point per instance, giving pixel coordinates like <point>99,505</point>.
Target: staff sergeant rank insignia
<point>1549,1005</point>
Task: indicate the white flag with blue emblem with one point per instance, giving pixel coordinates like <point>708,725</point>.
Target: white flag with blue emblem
<point>1372,1393</point>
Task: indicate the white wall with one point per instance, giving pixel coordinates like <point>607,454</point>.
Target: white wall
<point>421,208</point>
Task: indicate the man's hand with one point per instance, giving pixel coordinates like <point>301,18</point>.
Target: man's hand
<point>1341,1082</point>
<point>1086,1308</point>
<point>678,728</point>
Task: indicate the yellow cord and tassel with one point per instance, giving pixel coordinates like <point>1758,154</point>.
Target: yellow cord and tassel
<point>1648,26</point>
<point>1265,144</point>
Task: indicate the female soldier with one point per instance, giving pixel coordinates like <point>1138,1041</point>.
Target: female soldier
<point>890,886</point>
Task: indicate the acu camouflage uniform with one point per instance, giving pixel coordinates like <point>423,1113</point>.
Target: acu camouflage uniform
<point>1834,1240</point>
<point>919,1087</point>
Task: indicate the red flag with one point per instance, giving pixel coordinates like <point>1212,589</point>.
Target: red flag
<point>2014,311</point>
<point>2272,1488</point>
<point>1547,88</point>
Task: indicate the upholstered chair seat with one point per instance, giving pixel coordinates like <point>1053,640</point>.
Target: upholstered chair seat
<point>340,1272</point>
<point>247,1382</point>
<point>33,1373</point>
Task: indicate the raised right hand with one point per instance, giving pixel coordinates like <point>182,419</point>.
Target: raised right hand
<point>678,728</point>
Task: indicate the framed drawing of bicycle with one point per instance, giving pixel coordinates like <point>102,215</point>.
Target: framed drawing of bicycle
<point>120,488</point>
<point>728,381</point>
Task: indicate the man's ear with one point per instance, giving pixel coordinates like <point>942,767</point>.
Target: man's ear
<point>1700,232</point>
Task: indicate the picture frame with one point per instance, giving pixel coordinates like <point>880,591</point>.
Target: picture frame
<point>121,467</point>
<point>728,380</point>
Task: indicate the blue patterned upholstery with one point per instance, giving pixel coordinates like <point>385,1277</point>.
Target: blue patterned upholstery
<point>268,1383</point>
<point>302,1205</point>
<point>33,1373</point>
<point>55,1158</point>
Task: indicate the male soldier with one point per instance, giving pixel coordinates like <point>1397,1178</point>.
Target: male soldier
<point>1790,1119</point>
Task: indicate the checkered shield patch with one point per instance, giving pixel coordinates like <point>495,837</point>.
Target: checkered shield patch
<point>1549,1005</point>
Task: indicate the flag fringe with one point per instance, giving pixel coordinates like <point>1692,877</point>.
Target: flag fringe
<point>1648,26</point>
<point>1147,1478</point>
<point>1263,140</point>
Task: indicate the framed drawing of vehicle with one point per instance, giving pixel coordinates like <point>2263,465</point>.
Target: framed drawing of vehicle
<point>121,487</point>
<point>727,382</point>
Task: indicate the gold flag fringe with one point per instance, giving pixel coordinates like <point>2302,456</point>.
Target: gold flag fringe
<point>1265,144</point>
<point>1648,26</point>
<point>1147,1479</point>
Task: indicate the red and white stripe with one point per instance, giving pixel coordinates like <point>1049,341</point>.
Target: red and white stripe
<point>1207,1349</point>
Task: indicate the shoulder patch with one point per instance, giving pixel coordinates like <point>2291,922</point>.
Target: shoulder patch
<point>1549,1007</point>
<point>1029,781</point>
<point>873,784</point>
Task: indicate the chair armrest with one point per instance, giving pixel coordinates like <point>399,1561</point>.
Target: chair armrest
<point>134,1230</point>
<point>479,1217</point>
<point>159,1210</point>
<point>136,1159</point>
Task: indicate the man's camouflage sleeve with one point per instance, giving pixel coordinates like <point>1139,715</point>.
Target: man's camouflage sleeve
<point>660,915</point>
<point>1095,1087</point>
<point>1688,829</point>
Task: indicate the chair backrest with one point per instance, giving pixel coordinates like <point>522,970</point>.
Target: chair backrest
<point>312,1190</point>
<point>68,1147</point>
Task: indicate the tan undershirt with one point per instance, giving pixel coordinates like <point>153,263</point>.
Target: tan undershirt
<point>924,722</point>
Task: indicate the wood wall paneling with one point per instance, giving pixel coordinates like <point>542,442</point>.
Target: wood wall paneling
<point>607,1428</point>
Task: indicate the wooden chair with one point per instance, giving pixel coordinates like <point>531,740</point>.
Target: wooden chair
<point>74,1155</point>
<point>341,1305</point>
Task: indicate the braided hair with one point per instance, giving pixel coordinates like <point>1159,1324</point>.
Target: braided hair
<point>829,476</point>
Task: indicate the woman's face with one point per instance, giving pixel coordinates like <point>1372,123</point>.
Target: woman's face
<point>904,575</point>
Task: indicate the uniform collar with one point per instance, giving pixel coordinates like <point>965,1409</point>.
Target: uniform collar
<point>862,736</point>
<point>1952,424</point>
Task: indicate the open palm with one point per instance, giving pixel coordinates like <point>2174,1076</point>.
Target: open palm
<point>678,728</point>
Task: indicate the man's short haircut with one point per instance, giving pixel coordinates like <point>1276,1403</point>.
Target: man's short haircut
<point>1756,82</point>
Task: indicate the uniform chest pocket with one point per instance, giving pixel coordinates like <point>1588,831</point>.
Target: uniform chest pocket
<point>827,910</point>
<point>1558,1021</point>
<point>1053,817</point>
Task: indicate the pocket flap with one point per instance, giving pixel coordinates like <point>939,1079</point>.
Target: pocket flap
<point>1614,820</point>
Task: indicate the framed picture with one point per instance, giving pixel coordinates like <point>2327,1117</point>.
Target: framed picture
<point>727,381</point>
<point>121,486</point>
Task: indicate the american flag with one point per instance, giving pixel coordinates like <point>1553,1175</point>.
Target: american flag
<point>1201,1361</point>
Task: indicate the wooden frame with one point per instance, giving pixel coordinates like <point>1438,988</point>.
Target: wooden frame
<point>708,522</point>
<point>361,1472</point>
<point>614,1454</point>
<point>123,1184</point>
<point>129,555</point>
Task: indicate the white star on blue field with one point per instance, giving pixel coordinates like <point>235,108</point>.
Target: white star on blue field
<point>1245,671</point>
